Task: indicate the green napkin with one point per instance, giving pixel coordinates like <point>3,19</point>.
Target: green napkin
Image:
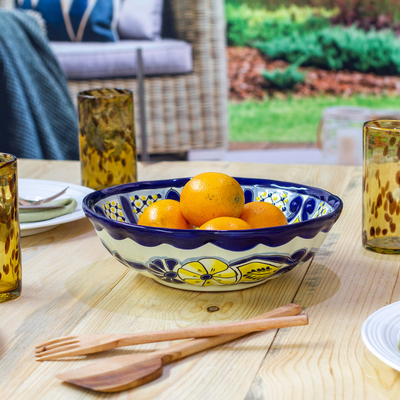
<point>43,215</point>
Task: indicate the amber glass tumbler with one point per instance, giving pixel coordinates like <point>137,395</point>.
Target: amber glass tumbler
<point>381,186</point>
<point>106,137</point>
<point>10,251</point>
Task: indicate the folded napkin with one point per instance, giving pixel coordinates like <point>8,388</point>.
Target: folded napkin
<point>44,215</point>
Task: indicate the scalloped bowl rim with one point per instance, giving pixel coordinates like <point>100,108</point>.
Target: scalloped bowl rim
<point>317,193</point>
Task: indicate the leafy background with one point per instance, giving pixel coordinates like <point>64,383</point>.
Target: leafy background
<point>295,55</point>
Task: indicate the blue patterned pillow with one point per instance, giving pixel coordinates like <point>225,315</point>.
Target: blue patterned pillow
<point>77,20</point>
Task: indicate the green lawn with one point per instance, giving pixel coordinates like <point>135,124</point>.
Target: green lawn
<point>290,120</point>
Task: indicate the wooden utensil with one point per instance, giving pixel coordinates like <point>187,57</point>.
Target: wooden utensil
<point>87,344</point>
<point>126,372</point>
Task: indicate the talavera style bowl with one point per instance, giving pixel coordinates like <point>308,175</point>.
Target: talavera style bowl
<point>212,260</point>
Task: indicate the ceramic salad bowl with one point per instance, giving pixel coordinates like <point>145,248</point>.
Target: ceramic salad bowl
<point>212,260</point>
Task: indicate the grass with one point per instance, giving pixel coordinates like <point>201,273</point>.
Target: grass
<point>274,4</point>
<point>290,120</point>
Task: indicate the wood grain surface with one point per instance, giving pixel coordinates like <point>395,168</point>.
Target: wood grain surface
<point>72,285</point>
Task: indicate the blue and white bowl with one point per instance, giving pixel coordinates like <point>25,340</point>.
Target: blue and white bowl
<point>211,261</point>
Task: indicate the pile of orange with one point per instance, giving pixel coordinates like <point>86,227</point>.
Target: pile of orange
<point>212,201</point>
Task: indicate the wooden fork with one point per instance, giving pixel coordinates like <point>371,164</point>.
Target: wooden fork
<point>124,372</point>
<point>86,344</point>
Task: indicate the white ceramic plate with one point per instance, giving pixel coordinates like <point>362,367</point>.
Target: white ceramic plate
<point>381,333</point>
<point>36,189</point>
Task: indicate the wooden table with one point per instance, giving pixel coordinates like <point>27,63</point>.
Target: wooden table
<point>72,285</point>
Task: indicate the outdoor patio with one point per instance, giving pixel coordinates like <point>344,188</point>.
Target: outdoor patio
<point>199,199</point>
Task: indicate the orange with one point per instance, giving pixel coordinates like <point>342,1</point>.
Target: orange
<point>211,195</point>
<point>164,214</point>
<point>259,214</point>
<point>225,224</point>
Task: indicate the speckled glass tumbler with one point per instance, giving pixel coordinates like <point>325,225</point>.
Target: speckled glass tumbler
<point>381,186</point>
<point>10,251</point>
<point>107,137</point>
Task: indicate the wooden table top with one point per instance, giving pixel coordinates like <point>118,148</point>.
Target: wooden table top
<point>72,285</point>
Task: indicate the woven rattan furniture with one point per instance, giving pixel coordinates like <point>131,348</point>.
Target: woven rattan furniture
<point>184,112</point>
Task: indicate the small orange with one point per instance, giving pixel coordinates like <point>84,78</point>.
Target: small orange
<point>164,214</point>
<point>225,224</point>
<point>259,214</point>
<point>211,195</point>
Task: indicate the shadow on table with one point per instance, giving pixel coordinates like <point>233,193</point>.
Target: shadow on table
<point>319,284</point>
<point>380,375</point>
<point>109,286</point>
<point>96,395</point>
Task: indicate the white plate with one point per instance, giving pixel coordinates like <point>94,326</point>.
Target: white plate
<point>36,189</point>
<point>381,333</point>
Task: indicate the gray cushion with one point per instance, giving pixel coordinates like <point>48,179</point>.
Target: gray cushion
<point>86,60</point>
<point>140,19</point>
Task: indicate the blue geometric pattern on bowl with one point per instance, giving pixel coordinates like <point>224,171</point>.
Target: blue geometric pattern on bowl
<point>113,210</point>
<point>212,260</point>
<point>304,204</point>
<point>296,207</point>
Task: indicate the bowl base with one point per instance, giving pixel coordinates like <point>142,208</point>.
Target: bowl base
<point>227,288</point>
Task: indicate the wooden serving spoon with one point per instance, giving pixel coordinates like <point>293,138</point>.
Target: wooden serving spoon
<point>125,372</point>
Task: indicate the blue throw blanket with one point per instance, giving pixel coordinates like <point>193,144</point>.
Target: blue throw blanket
<point>37,117</point>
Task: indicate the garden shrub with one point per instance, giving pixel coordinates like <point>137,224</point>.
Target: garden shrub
<point>339,48</point>
<point>247,25</point>
<point>286,78</point>
<point>349,9</point>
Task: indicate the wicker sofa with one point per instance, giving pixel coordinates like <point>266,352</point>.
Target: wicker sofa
<point>188,111</point>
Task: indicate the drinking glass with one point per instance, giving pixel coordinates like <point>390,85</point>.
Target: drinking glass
<point>107,137</point>
<point>381,186</point>
<point>10,251</point>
